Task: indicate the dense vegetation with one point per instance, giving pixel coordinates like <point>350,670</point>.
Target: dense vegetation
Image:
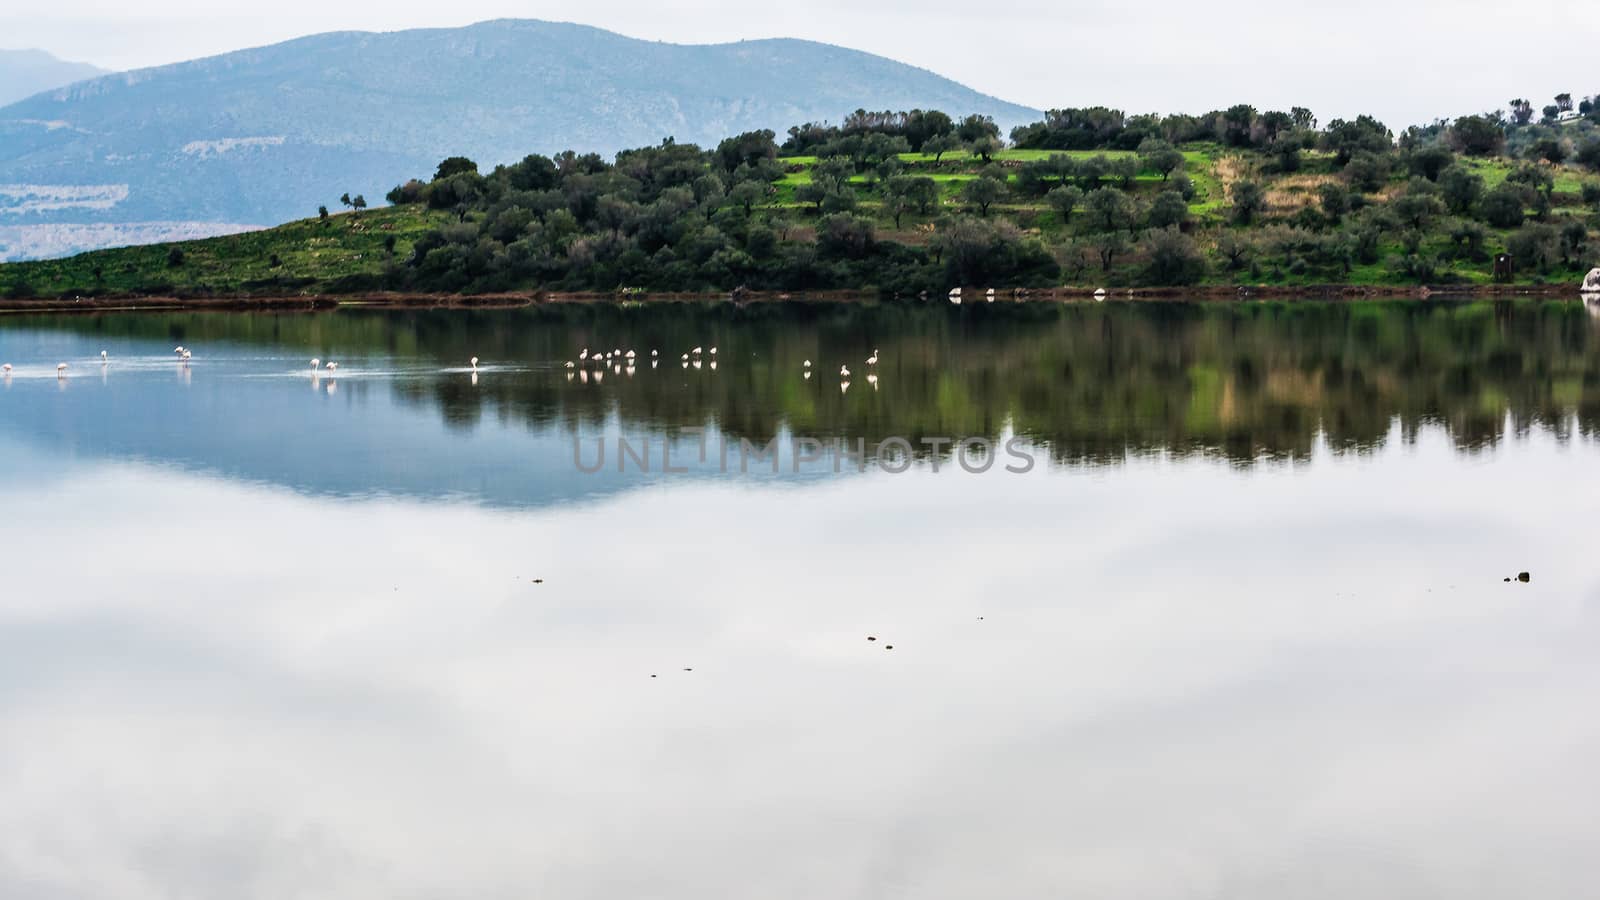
<point>907,203</point>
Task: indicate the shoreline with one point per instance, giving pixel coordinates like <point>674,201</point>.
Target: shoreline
<point>520,299</point>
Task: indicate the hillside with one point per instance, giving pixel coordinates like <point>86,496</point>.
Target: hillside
<point>24,73</point>
<point>263,136</point>
<point>858,209</point>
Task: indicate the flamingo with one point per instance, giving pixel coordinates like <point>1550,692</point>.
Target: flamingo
<point>571,364</point>
<point>187,355</point>
<point>584,354</point>
<point>686,357</point>
<point>873,359</point>
<point>807,363</point>
<point>103,357</point>
<point>178,350</point>
<point>695,351</point>
<point>653,354</point>
<point>713,351</point>
<point>6,368</point>
<point>474,364</point>
<point>333,367</point>
<point>990,295</point>
<point>60,367</point>
<point>844,372</point>
<point>629,356</point>
<point>316,363</point>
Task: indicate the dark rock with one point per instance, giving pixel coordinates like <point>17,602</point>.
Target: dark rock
<point>1524,577</point>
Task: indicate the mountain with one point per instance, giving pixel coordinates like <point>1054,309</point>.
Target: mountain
<point>24,73</point>
<point>261,136</point>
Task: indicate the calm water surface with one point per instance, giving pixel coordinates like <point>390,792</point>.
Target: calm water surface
<point>1241,632</point>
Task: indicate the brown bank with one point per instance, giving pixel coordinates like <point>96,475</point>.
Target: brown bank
<point>1086,294</point>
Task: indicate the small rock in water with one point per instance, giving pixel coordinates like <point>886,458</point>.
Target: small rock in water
<point>888,646</point>
<point>688,670</point>
<point>1508,580</point>
<point>871,638</point>
<point>1524,577</point>
<point>538,581</point>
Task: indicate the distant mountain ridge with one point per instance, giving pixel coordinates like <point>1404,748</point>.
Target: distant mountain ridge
<point>265,135</point>
<point>24,73</point>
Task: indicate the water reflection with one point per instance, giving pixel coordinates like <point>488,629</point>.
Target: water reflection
<point>1093,382</point>
<point>446,663</point>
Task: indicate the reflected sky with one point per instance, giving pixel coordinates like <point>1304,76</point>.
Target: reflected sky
<point>1175,676</point>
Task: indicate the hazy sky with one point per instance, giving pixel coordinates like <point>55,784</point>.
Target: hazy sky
<point>1406,60</point>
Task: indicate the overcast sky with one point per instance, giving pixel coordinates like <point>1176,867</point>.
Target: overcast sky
<point>1406,60</point>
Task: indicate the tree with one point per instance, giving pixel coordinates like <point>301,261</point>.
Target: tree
<point>175,258</point>
<point>975,127</point>
<point>1535,245</point>
<point>941,144</point>
<point>1429,161</point>
<point>358,203</point>
<point>1551,149</point>
<point>1477,136</point>
<point>1248,201</point>
<point>1368,172</point>
<point>986,147</point>
<point>1460,188</point>
<point>1126,170</point>
<point>747,149</point>
<point>1090,171</point>
<point>746,194</point>
<point>1521,112</point>
<point>845,235</point>
<point>344,199</point>
<point>1303,119</point>
<point>1174,258</point>
<point>1109,209</point>
<point>1574,242</point>
<point>1235,125</point>
<point>1588,154</point>
<point>1347,138</point>
<point>1160,156</point>
<point>1505,206</point>
<point>1418,208</point>
<point>1564,102</point>
<point>1334,199</point>
<point>455,165</point>
<point>1168,210</point>
<point>1108,245</point>
<point>924,125</point>
<point>1238,249</point>
<point>983,192</point>
<point>909,193</point>
<point>1064,200</point>
<point>322,213</point>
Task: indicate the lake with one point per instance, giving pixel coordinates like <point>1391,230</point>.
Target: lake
<point>1153,600</point>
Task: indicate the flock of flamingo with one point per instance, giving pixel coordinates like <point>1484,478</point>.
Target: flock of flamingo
<point>618,360</point>
<point>625,362</point>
